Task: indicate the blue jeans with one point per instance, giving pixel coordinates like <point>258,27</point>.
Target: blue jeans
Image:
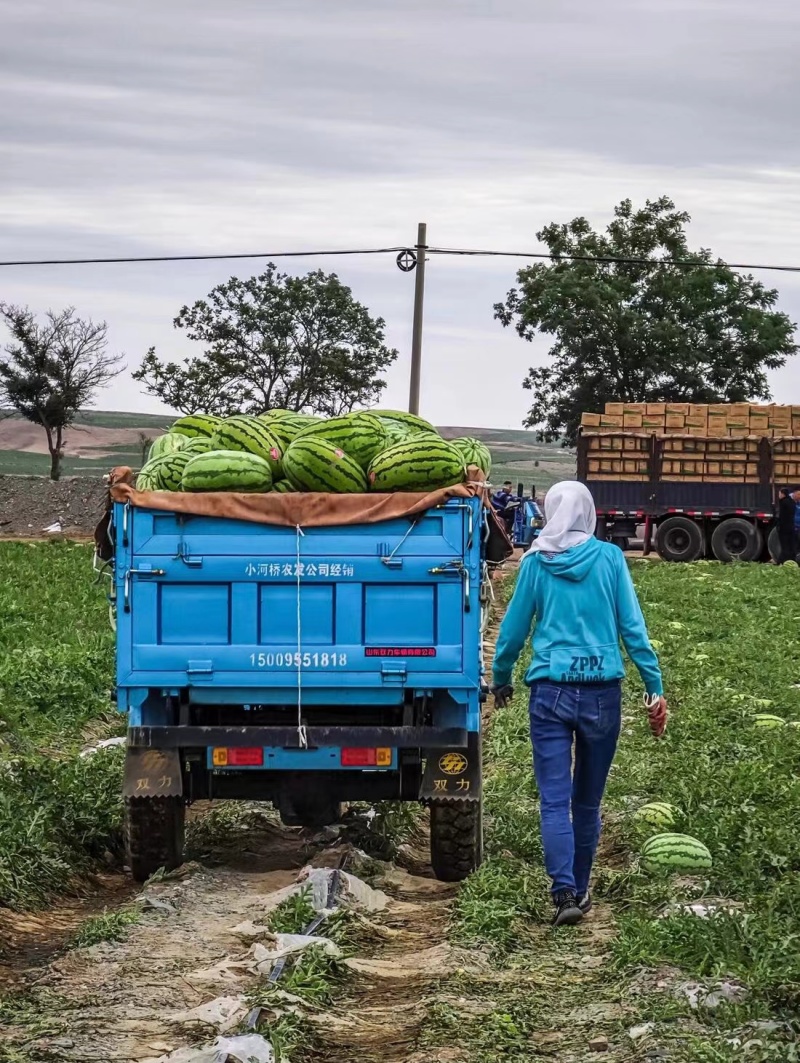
<point>586,717</point>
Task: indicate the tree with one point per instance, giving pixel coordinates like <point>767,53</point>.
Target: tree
<point>632,331</point>
<point>297,343</point>
<point>51,371</point>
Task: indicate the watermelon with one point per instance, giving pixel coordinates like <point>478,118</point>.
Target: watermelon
<point>360,435</point>
<point>315,464</point>
<point>197,445</point>
<point>227,470</point>
<point>422,463</point>
<point>674,852</point>
<point>474,452</point>
<point>413,424</point>
<point>163,473</point>
<point>196,424</point>
<point>167,444</point>
<point>656,814</point>
<point>253,436</point>
<point>282,487</point>
<point>767,719</point>
<point>285,425</point>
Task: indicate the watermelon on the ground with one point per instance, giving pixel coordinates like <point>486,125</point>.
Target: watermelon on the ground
<point>227,470</point>
<point>474,452</point>
<point>196,424</point>
<point>167,444</point>
<point>253,436</point>
<point>675,852</point>
<point>421,463</point>
<point>315,464</point>
<point>656,814</point>
<point>768,719</point>
<point>360,435</point>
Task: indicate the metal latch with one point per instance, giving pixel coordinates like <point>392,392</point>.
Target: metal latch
<point>200,671</point>
<point>448,568</point>
<point>192,560</point>
<point>393,672</point>
<point>386,554</point>
<point>145,571</point>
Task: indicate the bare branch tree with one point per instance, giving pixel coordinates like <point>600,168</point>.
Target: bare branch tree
<point>50,371</point>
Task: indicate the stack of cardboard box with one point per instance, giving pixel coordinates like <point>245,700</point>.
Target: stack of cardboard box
<point>696,419</point>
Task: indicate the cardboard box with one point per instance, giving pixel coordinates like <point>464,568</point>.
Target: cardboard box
<point>615,409</point>
<point>658,409</point>
<point>759,422</point>
<point>718,409</point>
<point>693,421</point>
<point>796,426</point>
<point>656,424</point>
<point>675,420</point>
<point>678,407</point>
<point>717,426</point>
<point>698,409</point>
<point>697,431</point>
<point>632,420</point>
<point>609,420</point>
<point>634,407</point>
<point>738,411</point>
<point>590,420</point>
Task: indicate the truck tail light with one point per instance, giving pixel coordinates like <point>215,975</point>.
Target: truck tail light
<point>238,757</point>
<point>359,757</point>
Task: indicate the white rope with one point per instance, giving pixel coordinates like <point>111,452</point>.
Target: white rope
<point>411,527</point>
<point>302,737</point>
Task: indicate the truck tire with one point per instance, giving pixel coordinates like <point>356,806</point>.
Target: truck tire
<point>622,541</point>
<point>774,546</point>
<point>154,832</point>
<point>679,539</point>
<point>456,838</point>
<point>737,539</point>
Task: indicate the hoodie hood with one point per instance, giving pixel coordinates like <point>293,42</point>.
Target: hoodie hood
<point>573,564</point>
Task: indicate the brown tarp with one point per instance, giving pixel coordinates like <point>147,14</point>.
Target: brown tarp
<point>289,510</point>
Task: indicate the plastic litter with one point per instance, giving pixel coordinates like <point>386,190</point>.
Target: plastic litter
<point>288,945</point>
<point>703,911</point>
<point>352,892</point>
<point>106,743</point>
<point>223,1013</point>
<point>700,996</point>
<point>246,1048</point>
<point>154,902</point>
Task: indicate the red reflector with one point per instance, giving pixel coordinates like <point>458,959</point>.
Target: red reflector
<point>356,757</point>
<point>245,757</point>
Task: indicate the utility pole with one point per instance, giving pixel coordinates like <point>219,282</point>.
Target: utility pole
<point>416,335</point>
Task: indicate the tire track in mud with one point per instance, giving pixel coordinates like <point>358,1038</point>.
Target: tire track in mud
<point>116,1002</point>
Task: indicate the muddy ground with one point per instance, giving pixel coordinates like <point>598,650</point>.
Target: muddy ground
<point>30,504</point>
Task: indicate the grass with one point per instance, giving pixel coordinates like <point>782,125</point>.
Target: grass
<point>110,926</point>
<point>725,636</point>
<point>59,812</point>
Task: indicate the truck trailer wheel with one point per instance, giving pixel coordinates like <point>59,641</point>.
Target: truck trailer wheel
<point>679,539</point>
<point>737,540</point>
<point>154,830</point>
<point>456,838</point>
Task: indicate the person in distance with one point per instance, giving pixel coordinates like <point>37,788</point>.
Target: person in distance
<point>580,592</point>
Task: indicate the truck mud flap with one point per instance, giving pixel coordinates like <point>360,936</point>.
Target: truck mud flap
<point>152,773</point>
<point>453,773</point>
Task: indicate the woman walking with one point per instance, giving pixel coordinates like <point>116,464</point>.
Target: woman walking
<point>581,594</point>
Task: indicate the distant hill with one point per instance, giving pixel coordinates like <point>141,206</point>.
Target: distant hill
<point>105,438</point>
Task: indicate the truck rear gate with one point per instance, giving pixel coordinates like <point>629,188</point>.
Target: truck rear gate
<point>306,666</point>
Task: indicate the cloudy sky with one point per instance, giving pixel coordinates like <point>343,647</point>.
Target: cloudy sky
<point>191,126</point>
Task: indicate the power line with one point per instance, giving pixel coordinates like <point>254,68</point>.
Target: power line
<point>444,251</point>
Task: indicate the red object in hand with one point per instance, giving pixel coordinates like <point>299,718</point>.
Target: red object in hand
<point>657,715</point>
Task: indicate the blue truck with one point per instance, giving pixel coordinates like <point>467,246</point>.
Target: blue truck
<point>308,667</point>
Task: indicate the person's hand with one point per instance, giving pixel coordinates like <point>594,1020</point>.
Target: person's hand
<point>656,713</point>
<point>503,693</point>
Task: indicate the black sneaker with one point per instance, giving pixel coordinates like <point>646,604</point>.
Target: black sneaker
<point>585,902</point>
<point>567,911</point>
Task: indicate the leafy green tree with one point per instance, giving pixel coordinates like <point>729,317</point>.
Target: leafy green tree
<point>274,341</point>
<point>50,371</point>
<point>632,331</point>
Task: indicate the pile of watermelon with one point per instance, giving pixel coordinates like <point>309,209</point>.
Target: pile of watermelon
<point>282,451</point>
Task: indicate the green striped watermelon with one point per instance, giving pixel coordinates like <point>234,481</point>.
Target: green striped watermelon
<point>147,480</point>
<point>227,470</point>
<point>422,463</point>
<point>167,444</point>
<point>359,435</point>
<point>474,452</point>
<point>674,852</point>
<point>316,465</point>
<point>413,424</point>
<point>197,445</point>
<point>656,814</point>
<point>768,719</point>
<point>252,436</point>
<point>163,473</point>
<point>285,425</point>
<point>283,487</point>
<point>196,424</point>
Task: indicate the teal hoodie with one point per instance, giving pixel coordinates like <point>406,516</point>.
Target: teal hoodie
<point>583,601</point>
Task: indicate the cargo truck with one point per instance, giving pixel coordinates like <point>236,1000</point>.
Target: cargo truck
<point>693,496</point>
<point>301,662</point>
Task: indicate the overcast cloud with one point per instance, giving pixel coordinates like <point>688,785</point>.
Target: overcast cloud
<point>185,126</point>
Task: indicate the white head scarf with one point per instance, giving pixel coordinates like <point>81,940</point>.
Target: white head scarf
<point>570,518</point>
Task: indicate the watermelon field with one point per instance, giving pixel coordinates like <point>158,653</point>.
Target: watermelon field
<point>700,968</point>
